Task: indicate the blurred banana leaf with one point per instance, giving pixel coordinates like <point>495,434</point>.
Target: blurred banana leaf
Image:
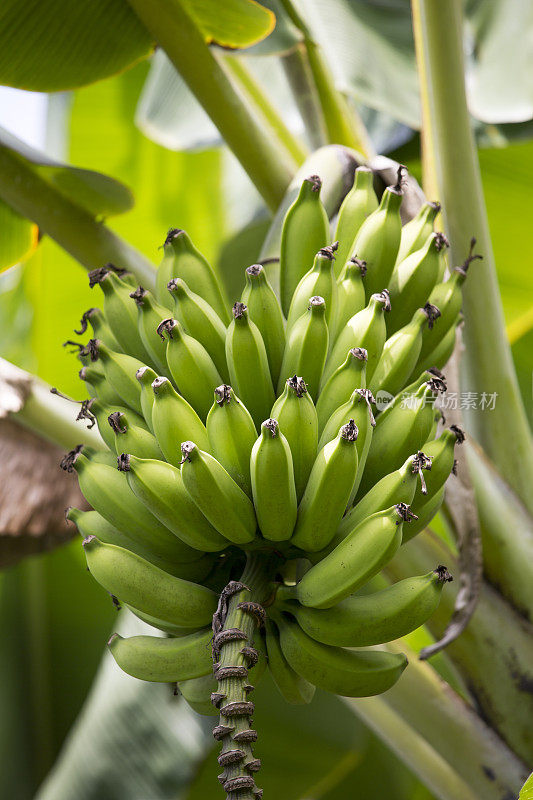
<point>369,48</point>
<point>131,740</point>
<point>19,237</point>
<point>57,45</point>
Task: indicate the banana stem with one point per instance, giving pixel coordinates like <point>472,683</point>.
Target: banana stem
<point>343,124</point>
<point>300,79</point>
<point>261,154</point>
<point>450,157</point>
<point>250,85</point>
<point>238,615</point>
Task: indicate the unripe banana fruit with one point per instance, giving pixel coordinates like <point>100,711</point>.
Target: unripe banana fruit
<point>348,673</point>
<point>307,347</point>
<point>364,620</point>
<point>358,204</point>
<point>151,658</point>
<point>265,311</point>
<point>232,435</point>
<point>273,489</point>
<point>295,689</point>
<point>319,280</point>
<point>305,231</point>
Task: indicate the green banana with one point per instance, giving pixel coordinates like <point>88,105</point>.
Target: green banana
<point>140,583</point>
<point>190,365</point>
<point>358,204</point>
<point>403,428</point>
<point>378,239</point>
<point>366,330</point>
<point>160,624</point>
<point>413,280</point>
<point>120,312</point>
<point>197,694</point>
<point>248,364</point>
<point>107,490</point>
<point>441,353</point>
<point>273,488</point>
<point>201,322</point>
<point>217,495</point>
<point>319,280</point>
<point>400,352</point>
<point>95,409</point>
<point>399,486</point>
<point>101,329</point>
<point>150,314</point>
<point>348,673</point>
<point>264,309</point>
<point>232,435</point>
<point>364,620</point>
<point>94,377</point>
<point>132,438</point>
<point>350,293</point>
<point>146,376</point>
<point>416,231</point>
<point>174,420</point>
<point>305,230</point>
<point>340,386</point>
<point>307,347</point>
<point>425,514</point>
<point>296,414</point>
<point>441,453</point>
<point>151,658</point>
<point>183,260</point>
<point>91,523</point>
<point>359,409</point>
<point>159,486</point>
<point>361,555</point>
<point>448,297</point>
<point>120,369</point>
<point>328,491</point>
<point>293,688</point>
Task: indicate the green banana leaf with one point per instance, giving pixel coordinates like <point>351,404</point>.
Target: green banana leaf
<point>19,237</point>
<point>57,45</point>
<point>526,792</point>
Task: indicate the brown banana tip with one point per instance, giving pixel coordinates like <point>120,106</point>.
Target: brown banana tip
<point>123,462</point>
<point>239,309</point>
<point>85,412</point>
<point>463,269</point>
<point>436,385</point>
<point>383,297</point>
<point>68,461</point>
<point>223,394</point>
<point>138,295</point>
<point>172,234</point>
<point>114,422</point>
<point>435,205</point>
<point>315,181</point>
<point>254,270</point>
<point>358,262</point>
<point>316,302</point>
<point>441,241</point>
<point>89,540</point>
<point>420,462</point>
<point>328,251</point>
<point>432,313</point>
<point>459,433</point>
<point>140,373</point>
<point>93,349</point>
<point>99,275</point>
<point>405,513</point>
<point>359,353</point>
<point>77,346</point>
<point>186,449</point>
<point>400,179</point>
<point>85,320</point>
<point>166,326</point>
<point>298,385</point>
<point>442,573</point>
<point>350,431</point>
<point>112,639</point>
<point>272,426</point>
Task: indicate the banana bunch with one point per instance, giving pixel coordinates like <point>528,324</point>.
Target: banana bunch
<point>252,437</point>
